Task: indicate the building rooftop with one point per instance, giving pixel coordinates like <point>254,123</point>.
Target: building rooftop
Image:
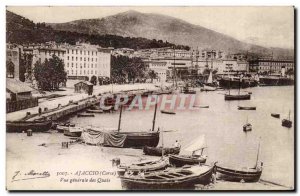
<point>16,86</point>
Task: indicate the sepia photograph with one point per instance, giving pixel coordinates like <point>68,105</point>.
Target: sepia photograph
<point>142,98</point>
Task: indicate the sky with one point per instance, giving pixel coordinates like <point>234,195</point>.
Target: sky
<point>265,26</point>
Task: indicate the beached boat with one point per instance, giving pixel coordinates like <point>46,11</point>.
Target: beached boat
<point>275,115</point>
<point>246,108</point>
<point>85,115</point>
<point>159,151</point>
<point>287,122</point>
<point>144,166</point>
<point>94,111</point>
<point>36,126</point>
<point>194,159</point>
<point>241,174</point>
<point>139,139</point>
<point>237,175</point>
<point>73,131</point>
<point>169,179</point>
<point>167,112</point>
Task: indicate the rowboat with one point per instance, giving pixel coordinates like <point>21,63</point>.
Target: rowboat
<point>241,174</point>
<point>85,115</point>
<point>94,111</point>
<point>275,115</point>
<point>167,112</point>
<point>195,158</point>
<point>237,97</point>
<point>181,160</point>
<point>237,175</point>
<point>159,151</point>
<point>246,108</point>
<point>143,166</point>
<point>36,126</point>
<point>247,127</point>
<point>73,131</point>
<point>169,179</point>
<point>287,122</point>
<point>201,106</point>
<point>140,139</point>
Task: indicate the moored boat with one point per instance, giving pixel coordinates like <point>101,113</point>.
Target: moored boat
<point>36,126</point>
<point>159,151</point>
<point>237,97</point>
<point>140,139</point>
<point>237,175</point>
<point>167,112</point>
<point>287,122</point>
<point>169,179</point>
<point>195,158</point>
<point>144,166</point>
<point>275,115</point>
<point>73,131</point>
<point>247,127</point>
<point>246,108</point>
<point>85,115</point>
<point>94,111</point>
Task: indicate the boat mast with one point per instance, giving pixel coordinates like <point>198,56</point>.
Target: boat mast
<point>153,122</point>
<point>174,77</point>
<point>257,153</point>
<point>120,116</point>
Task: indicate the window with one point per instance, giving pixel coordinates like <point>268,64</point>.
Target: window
<point>76,58</point>
<point>72,58</point>
<point>80,53</point>
<point>92,66</point>
<point>80,58</point>
<point>88,52</point>
<point>92,71</point>
<point>68,57</point>
<point>84,59</point>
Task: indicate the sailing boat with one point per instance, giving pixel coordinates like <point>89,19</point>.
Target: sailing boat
<point>161,151</point>
<point>242,174</point>
<point>141,138</point>
<point>229,97</point>
<point>208,86</point>
<point>247,126</point>
<point>287,122</point>
<point>198,145</point>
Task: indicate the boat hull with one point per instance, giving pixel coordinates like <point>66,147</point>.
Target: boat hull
<point>275,115</point>
<point>235,83</point>
<point>238,175</point>
<point>144,166</point>
<point>246,108</point>
<point>179,160</point>
<point>185,183</point>
<point>153,151</point>
<point>141,139</point>
<point>273,81</point>
<point>20,126</point>
<point>237,97</point>
<point>287,123</point>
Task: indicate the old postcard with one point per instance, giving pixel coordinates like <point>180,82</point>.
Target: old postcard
<point>150,98</point>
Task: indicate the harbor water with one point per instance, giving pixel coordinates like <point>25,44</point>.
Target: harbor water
<point>222,124</point>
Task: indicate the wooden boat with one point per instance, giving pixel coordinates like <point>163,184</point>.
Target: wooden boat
<point>275,115</point>
<point>159,151</point>
<point>36,126</point>
<point>201,106</point>
<point>181,160</point>
<point>73,131</point>
<point>247,127</point>
<point>85,115</point>
<point>169,179</point>
<point>167,112</point>
<point>94,111</point>
<point>237,97</point>
<point>144,166</point>
<point>287,122</point>
<point>246,108</point>
<point>194,159</point>
<point>142,138</point>
<point>208,88</point>
<point>237,175</point>
<point>243,174</point>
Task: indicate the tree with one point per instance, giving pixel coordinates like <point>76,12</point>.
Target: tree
<point>94,80</point>
<point>152,75</point>
<point>50,74</point>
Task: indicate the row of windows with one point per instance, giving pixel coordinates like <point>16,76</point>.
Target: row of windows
<point>84,65</point>
<point>50,53</point>
<point>80,51</point>
<point>80,59</point>
<point>81,72</point>
<point>274,63</point>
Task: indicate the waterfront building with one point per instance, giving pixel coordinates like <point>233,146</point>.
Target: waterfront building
<point>85,60</point>
<point>13,55</point>
<point>270,65</point>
